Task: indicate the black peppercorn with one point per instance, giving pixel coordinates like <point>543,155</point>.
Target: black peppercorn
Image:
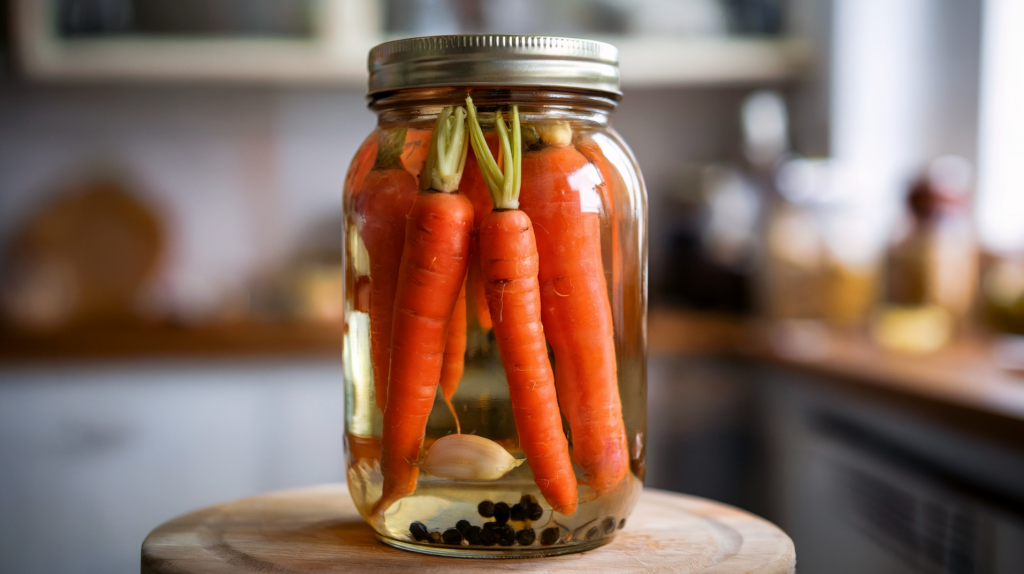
<point>502,512</point>
<point>549,536</point>
<point>518,512</point>
<point>592,533</point>
<point>462,526</point>
<point>452,536</point>
<point>622,524</point>
<point>435,537</point>
<point>419,531</point>
<point>474,535</point>
<point>608,526</point>
<point>489,534</point>
<point>526,536</point>
<point>507,535</point>
<point>534,511</point>
<point>486,509</point>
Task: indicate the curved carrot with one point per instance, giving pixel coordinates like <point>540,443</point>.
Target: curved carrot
<point>509,259</point>
<point>454,354</point>
<point>432,272</point>
<point>385,197</point>
<point>611,184</point>
<point>509,263</point>
<point>576,312</point>
<point>601,150</point>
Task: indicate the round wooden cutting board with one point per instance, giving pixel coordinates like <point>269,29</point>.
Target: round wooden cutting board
<point>317,529</point>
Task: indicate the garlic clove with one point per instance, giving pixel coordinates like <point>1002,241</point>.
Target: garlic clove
<point>555,133</point>
<point>468,457</point>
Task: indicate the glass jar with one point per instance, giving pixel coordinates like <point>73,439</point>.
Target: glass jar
<point>486,493</point>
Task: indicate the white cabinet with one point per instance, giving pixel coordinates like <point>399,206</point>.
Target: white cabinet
<point>92,457</point>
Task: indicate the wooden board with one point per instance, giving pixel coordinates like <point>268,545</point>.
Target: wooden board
<point>317,529</point>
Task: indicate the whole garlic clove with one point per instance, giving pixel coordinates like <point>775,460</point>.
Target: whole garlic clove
<point>468,457</point>
<point>555,133</point>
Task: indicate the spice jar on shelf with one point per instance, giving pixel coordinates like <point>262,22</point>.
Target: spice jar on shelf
<point>496,299</point>
<point>931,270</point>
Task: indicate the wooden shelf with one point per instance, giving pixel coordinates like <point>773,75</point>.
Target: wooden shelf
<point>645,62</point>
<point>668,62</point>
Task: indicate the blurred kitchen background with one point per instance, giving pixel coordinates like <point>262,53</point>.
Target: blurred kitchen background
<point>836,260</point>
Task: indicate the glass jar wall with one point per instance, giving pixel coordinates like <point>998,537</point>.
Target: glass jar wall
<point>493,487</point>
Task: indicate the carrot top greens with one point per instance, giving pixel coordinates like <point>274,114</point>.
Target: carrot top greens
<point>504,187</point>
<point>447,155</point>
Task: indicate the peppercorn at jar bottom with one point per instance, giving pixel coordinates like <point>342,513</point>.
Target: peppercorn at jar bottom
<point>446,515</point>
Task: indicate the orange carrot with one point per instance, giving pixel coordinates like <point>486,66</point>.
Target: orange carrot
<point>454,355</point>
<point>432,272</point>
<point>611,184</point>
<point>476,291</point>
<point>602,151</point>
<point>576,311</point>
<point>509,263</point>
<point>417,143</point>
<point>361,165</point>
<point>380,208</point>
<point>475,188</point>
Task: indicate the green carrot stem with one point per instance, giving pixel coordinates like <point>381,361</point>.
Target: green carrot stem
<point>446,157</point>
<point>390,144</point>
<point>504,187</point>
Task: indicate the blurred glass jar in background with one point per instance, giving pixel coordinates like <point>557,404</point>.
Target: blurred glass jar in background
<point>1002,303</point>
<point>819,261</point>
<point>1003,289</point>
<point>931,269</point>
<point>581,188</point>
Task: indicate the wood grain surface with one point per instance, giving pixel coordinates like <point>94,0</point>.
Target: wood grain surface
<point>317,529</point>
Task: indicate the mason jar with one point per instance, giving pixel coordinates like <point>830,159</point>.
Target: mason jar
<point>492,416</point>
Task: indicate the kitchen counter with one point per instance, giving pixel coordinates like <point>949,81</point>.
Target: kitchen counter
<point>960,384</point>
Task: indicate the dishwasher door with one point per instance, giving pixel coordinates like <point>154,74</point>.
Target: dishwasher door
<point>862,485</point>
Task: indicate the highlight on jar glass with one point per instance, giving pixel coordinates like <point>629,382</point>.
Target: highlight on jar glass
<point>495,300</point>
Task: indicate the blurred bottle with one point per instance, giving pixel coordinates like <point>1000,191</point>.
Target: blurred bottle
<point>1003,305</point>
<point>716,213</point>
<point>1003,294</point>
<point>932,267</point>
<point>819,261</point>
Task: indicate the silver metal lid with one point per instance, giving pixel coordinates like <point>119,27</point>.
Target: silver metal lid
<point>494,60</point>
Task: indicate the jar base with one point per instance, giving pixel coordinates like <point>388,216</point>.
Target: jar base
<point>495,552</point>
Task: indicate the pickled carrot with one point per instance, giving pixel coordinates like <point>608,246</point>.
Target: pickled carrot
<point>576,311</point>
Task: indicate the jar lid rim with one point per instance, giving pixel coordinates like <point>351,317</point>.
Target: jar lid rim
<point>494,59</point>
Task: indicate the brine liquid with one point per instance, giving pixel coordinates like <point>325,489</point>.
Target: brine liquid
<point>484,409</point>
<point>482,400</point>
